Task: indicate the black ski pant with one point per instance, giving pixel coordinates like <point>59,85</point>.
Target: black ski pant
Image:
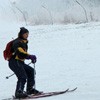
<point>24,74</point>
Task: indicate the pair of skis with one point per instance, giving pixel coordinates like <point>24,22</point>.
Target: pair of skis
<point>42,95</point>
<point>51,94</point>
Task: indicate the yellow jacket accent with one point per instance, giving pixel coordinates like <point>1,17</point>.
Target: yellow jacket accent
<point>22,51</point>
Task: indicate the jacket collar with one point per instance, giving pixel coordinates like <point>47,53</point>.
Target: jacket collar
<point>23,40</point>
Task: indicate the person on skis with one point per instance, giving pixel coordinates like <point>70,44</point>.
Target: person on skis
<point>23,72</point>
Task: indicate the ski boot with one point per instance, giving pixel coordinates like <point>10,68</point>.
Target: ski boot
<point>33,91</point>
<point>20,94</point>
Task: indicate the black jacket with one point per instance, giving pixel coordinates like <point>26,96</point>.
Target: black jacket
<point>20,48</point>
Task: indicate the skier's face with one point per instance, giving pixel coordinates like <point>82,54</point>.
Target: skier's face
<point>25,35</point>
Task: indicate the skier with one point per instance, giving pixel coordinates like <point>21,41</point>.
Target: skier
<point>23,72</point>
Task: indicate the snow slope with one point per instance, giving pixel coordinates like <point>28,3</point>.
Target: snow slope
<point>39,12</point>
<point>68,57</point>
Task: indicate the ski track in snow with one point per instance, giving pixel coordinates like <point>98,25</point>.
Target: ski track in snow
<point>68,57</point>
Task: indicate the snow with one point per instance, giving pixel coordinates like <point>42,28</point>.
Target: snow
<point>36,12</point>
<point>68,57</point>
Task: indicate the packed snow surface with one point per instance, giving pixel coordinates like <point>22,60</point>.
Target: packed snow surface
<point>68,56</point>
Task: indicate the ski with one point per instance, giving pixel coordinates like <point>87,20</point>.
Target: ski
<point>72,90</point>
<point>45,94</point>
<point>51,93</point>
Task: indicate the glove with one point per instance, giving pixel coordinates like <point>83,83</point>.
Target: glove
<point>32,57</point>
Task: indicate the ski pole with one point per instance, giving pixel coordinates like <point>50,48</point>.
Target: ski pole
<point>7,77</point>
<point>34,76</point>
